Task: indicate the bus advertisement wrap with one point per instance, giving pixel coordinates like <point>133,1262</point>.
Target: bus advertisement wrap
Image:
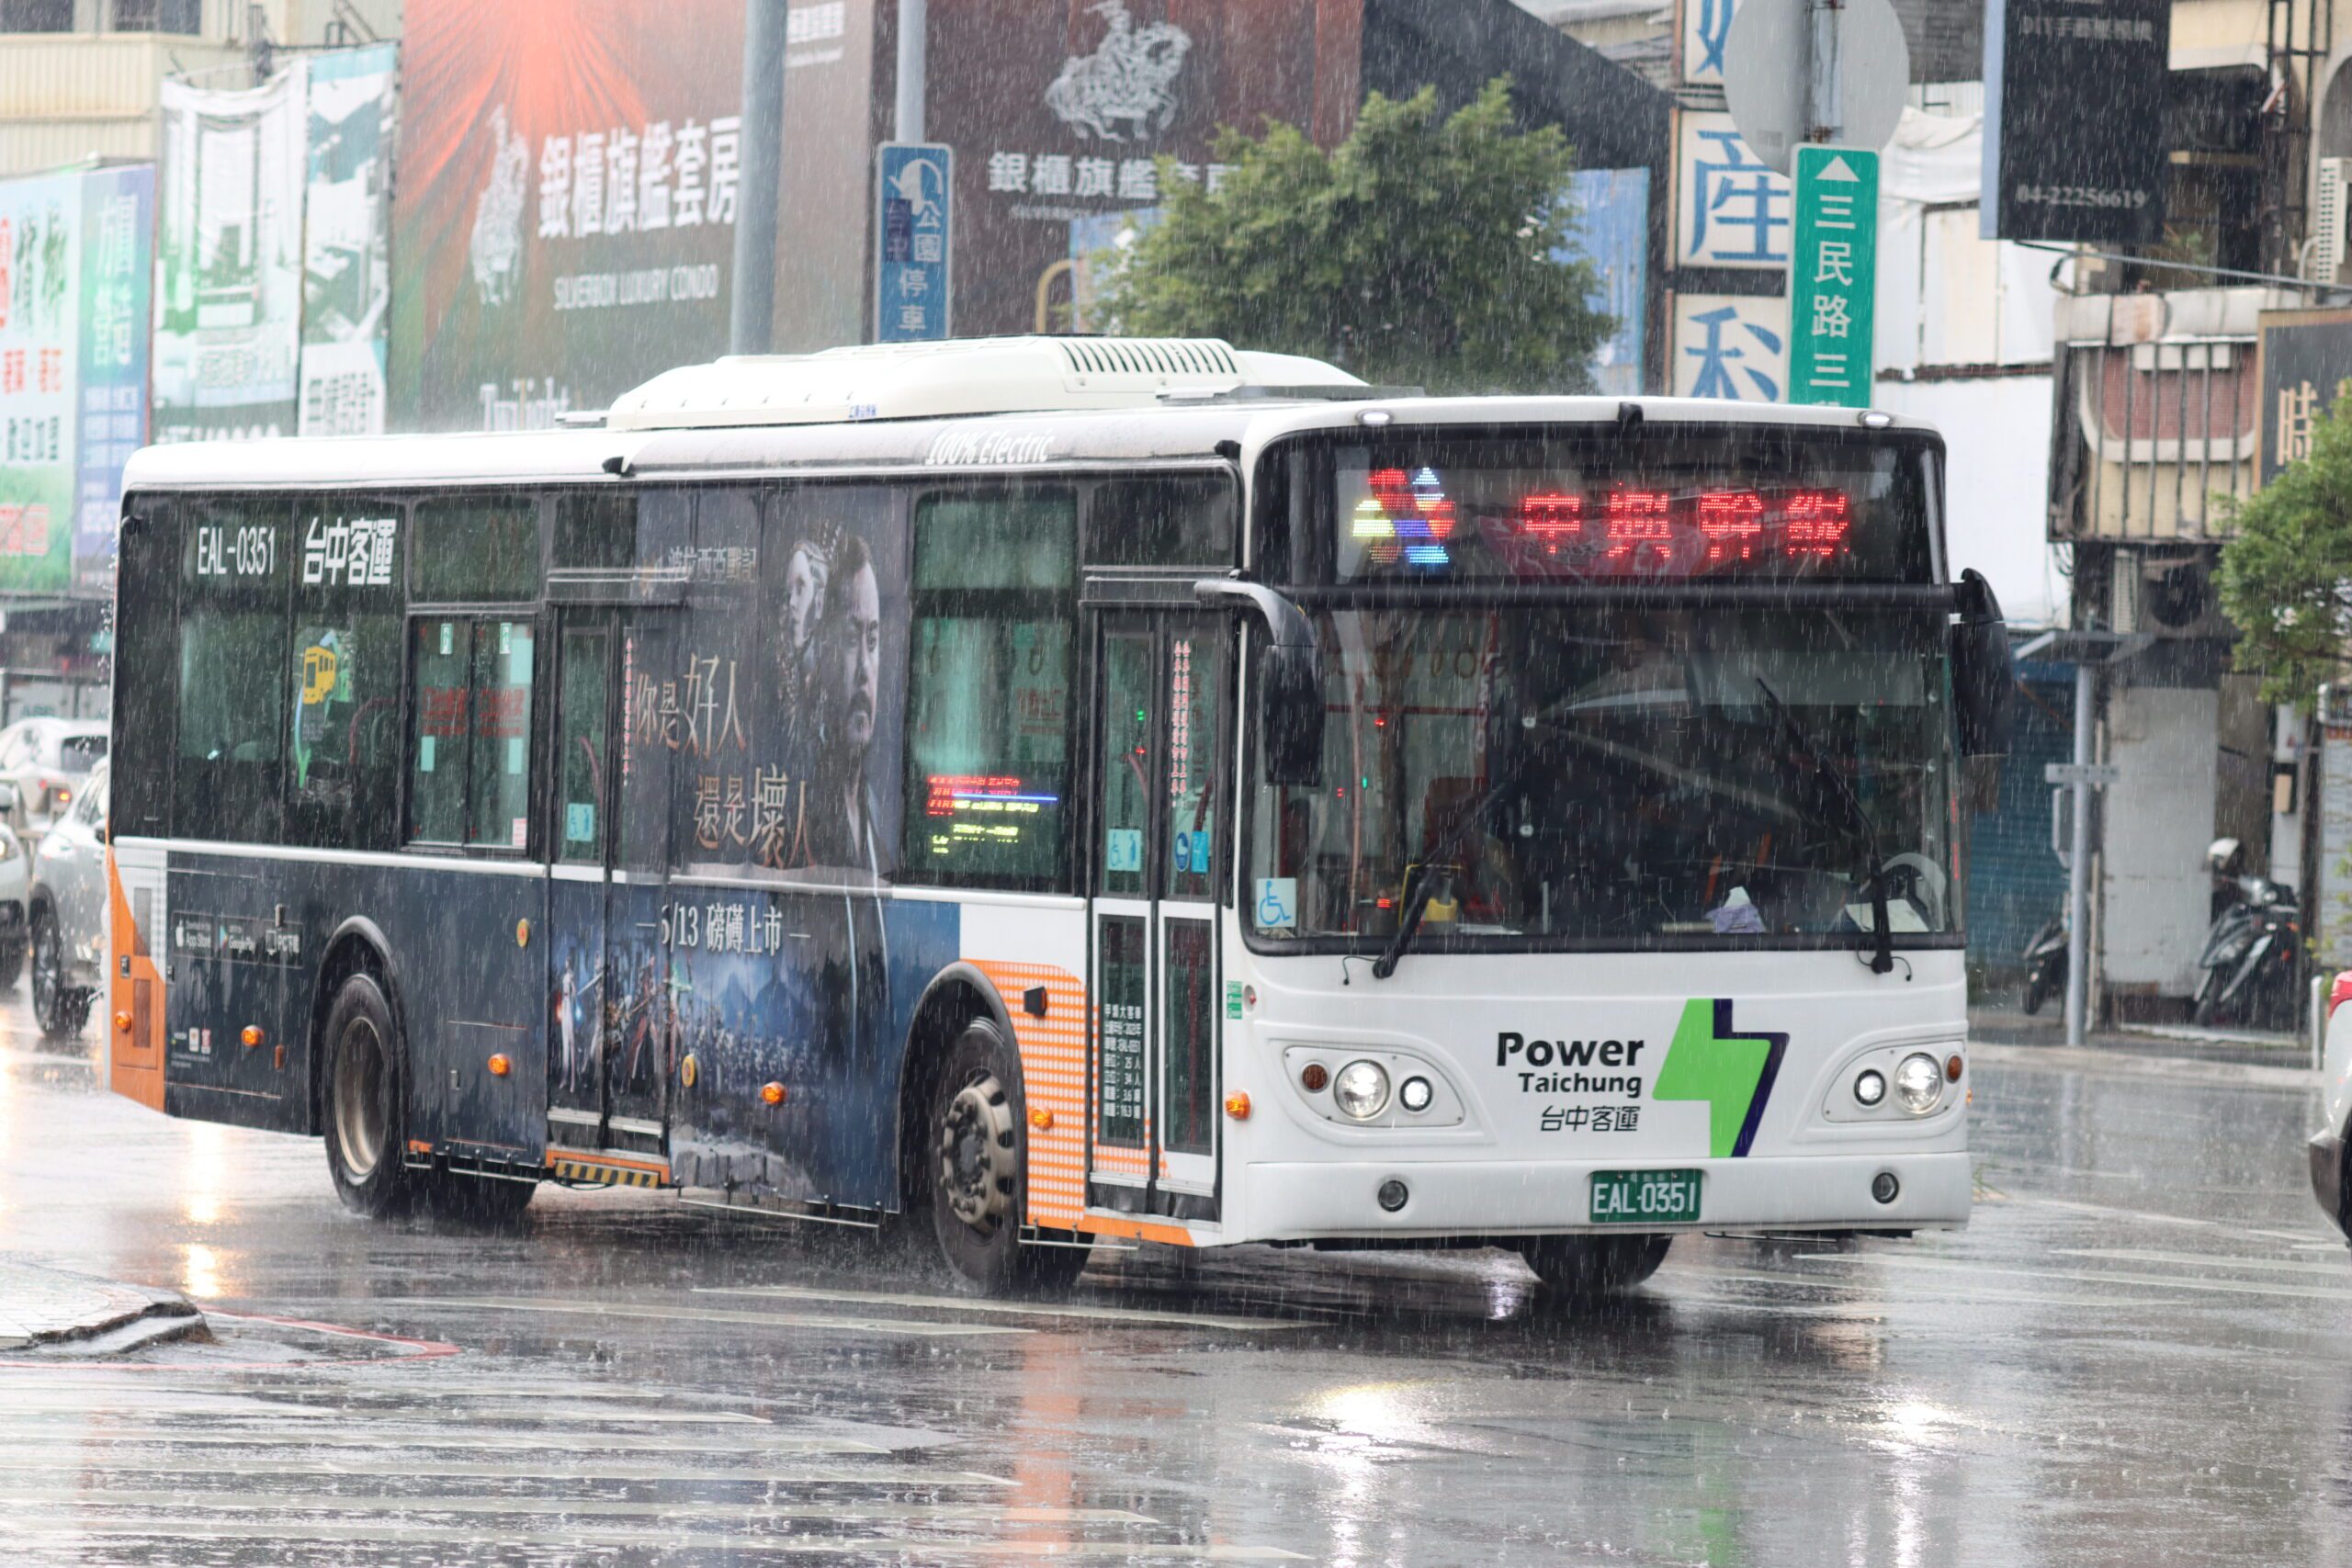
<point>229,262</point>
<point>73,259</point>
<point>566,207</point>
<point>781,760</point>
<point>346,249</point>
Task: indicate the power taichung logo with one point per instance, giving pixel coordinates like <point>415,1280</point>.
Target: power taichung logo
<point>1710,1059</point>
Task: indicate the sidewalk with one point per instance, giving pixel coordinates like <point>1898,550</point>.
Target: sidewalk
<point>48,1306</point>
<point>2004,1025</point>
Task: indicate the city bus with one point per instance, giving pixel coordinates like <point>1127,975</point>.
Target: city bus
<point>1055,792</point>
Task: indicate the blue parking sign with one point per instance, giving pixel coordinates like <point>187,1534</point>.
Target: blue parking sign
<point>912,242</point>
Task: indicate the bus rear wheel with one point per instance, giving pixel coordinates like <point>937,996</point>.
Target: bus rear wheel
<point>1582,1268</point>
<point>977,1155</point>
<point>366,1101</point>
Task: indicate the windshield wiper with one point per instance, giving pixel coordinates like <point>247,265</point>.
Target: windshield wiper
<point>1857,824</point>
<point>1416,894</point>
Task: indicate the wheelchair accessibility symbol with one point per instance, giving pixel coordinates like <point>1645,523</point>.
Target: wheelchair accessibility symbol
<point>1277,903</point>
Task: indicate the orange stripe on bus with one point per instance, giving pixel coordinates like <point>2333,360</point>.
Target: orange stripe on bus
<point>1136,1229</point>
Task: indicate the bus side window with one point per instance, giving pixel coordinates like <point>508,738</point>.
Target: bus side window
<point>989,692</point>
<point>145,639</point>
<point>470,757</point>
<point>1165,520</point>
<point>344,675</point>
<point>235,565</point>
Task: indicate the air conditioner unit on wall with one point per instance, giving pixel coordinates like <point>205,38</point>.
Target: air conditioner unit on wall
<point>2328,206</point>
<point>2174,595</point>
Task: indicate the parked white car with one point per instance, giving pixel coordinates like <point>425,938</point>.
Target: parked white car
<point>16,887</point>
<point>67,911</point>
<point>48,760</point>
<point>2328,1176</point>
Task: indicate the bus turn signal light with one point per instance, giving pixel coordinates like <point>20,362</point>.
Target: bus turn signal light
<point>773,1093</point>
<point>252,1035</point>
<point>1952,1067</point>
<point>1312,1077</point>
<point>1236,1105</point>
<point>1041,1119</point>
<point>123,1023</point>
<point>498,1065</point>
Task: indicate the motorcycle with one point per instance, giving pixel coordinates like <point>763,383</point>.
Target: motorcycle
<point>2045,964</point>
<point>2253,950</point>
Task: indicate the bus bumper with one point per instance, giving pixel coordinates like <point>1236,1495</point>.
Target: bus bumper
<point>1308,1200</point>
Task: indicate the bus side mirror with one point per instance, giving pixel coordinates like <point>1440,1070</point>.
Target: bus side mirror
<point>1290,681</point>
<point>1290,677</point>
<point>1983,671</point>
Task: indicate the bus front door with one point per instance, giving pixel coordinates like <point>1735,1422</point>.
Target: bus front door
<point>1160,785</point>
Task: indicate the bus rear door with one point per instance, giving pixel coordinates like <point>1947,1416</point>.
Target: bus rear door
<point>1153,1142</point>
<point>607,1056</point>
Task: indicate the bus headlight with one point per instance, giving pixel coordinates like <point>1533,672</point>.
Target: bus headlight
<point>1870,1085</point>
<point>1919,1082</point>
<point>1362,1089</point>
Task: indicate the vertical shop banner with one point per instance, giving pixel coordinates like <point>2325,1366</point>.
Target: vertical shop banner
<point>566,208</point>
<point>117,262</point>
<point>229,260</point>
<point>74,249</point>
<point>346,246</point>
<point>1612,231</point>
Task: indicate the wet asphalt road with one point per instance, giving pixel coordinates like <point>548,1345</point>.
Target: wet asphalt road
<point>2138,1354</point>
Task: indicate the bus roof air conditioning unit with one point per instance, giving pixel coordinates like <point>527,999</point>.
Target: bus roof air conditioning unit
<point>2328,203</point>
<point>961,378</point>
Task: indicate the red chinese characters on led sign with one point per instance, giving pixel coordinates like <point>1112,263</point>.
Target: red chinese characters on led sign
<point>1552,520</point>
<point>1817,524</point>
<point>1638,527</point>
<point>1658,531</point>
<point>1731,521</point>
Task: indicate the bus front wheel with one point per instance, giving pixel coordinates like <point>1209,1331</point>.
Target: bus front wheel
<point>366,1100</point>
<point>977,1155</point>
<point>1583,1266</point>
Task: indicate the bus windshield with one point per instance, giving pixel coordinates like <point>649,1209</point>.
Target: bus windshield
<point>1614,777</point>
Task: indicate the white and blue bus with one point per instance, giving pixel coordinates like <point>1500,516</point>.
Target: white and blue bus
<point>1056,790</point>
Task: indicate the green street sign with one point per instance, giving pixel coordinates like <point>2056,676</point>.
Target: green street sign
<point>1833,276</point>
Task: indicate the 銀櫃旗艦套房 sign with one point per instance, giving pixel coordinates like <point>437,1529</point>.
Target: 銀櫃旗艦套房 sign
<point>570,181</point>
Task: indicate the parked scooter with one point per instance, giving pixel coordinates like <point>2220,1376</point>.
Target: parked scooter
<point>2253,954</point>
<point>2045,964</point>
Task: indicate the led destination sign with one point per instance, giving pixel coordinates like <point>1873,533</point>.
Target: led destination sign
<point>1775,505</point>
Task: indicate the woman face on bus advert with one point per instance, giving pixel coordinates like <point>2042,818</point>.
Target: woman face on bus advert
<point>804,590</point>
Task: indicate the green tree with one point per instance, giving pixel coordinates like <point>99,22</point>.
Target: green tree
<point>2286,577</point>
<point>1418,252</point>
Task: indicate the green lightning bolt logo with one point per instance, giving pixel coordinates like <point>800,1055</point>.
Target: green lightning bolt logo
<point>1732,1072</point>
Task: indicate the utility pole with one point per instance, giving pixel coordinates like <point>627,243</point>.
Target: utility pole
<point>913,66</point>
<point>1825,107</point>
<point>753,325</point>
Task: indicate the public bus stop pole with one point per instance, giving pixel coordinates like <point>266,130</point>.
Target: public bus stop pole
<point>752,327</point>
<point>913,23</point>
<point>2078,872</point>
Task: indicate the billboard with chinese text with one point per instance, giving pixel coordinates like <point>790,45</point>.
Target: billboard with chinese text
<point>1730,211</point>
<point>74,250</point>
<point>566,207</point>
<point>346,248</point>
<point>229,259</point>
<point>2306,356</point>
